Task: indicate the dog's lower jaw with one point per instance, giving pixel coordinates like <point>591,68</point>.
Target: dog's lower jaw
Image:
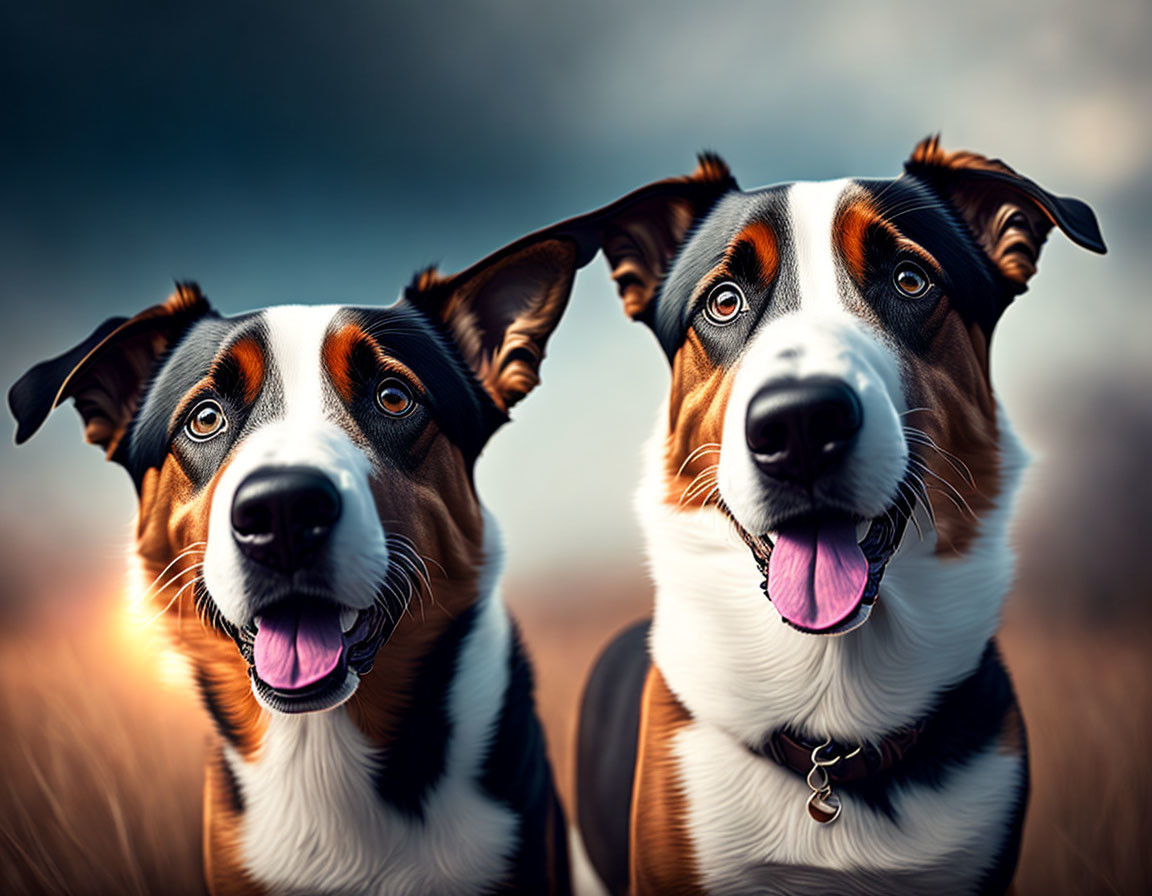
<point>273,701</point>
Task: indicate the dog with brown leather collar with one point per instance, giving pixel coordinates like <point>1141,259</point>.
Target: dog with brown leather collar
<point>828,347</point>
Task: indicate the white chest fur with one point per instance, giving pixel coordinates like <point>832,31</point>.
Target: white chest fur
<point>313,822</point>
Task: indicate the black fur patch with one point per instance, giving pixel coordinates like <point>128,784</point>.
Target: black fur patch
<point>224,724</point>
<point>608,738</point>
<point>232,793</point>
<point>966,719</point>
<point>517,774</point>
<point>414,760</point>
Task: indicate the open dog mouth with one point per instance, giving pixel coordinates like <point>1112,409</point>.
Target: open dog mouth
<point>307,654</point>
<point>818,576</point>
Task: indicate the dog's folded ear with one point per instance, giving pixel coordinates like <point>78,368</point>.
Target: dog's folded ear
<point>642,232</point>
<point>501,311</point>
<point>105,373</point>
<point>1009,215</point>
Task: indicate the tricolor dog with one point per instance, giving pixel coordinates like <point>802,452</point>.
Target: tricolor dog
<point>825,499</point>
<point>311,533</point>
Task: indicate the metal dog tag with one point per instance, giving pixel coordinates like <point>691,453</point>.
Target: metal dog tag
<point>824,807</point>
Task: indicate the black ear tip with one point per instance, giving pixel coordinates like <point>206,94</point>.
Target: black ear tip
<point>586,249</point>
<point>1079,222</point>
<point>27,411</point>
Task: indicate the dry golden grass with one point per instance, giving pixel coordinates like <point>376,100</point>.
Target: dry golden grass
<point>102,762</point>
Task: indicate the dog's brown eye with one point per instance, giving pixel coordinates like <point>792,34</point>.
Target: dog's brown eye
<point>911,280</point>
<point>724,304</point>
<point>395,398</point>
<point>206,420</point>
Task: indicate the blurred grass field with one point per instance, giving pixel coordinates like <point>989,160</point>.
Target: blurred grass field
<point>102,760</point>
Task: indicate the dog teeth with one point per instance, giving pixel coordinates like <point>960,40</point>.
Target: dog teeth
<point>348,619</point>
<point>862,529</point>
<point>256,621</point>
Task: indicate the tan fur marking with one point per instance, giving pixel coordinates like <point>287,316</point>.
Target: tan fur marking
<point>762,238</point>
<point>854,221</point>
<point>250,359</point>
<point>173,515</point>
<point>1012,738</point>
<point>337,355</point>
<point>952,383</point>
<point>698,400</point>
<point>663,857</point>
<point>850,231</point>
<point>929,152</point>
<point>337,358</point>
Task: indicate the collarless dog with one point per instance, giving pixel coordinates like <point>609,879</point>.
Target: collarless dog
<point>825,500</point>
<point>312,536</point>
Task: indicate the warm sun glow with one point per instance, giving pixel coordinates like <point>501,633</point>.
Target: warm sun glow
<point>144,633</point>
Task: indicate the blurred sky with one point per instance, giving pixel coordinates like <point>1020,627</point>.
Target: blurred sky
<point>304,152</point>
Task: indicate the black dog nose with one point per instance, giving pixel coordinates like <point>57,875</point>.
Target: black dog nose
<point>282,516</point>
<point>798,429</point>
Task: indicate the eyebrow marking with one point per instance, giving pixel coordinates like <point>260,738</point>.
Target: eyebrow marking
<point>238,371</point>
<point>249,359</point>
<point>851,229</point>
<point>751,255</point>
<point>339,359</point>
<point>760,238</point>
<point>855,222</point>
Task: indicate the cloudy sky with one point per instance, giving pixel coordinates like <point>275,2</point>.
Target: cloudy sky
<point>304,152</point>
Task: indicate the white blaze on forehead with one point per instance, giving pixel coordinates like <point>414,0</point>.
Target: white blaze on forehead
<point>827,335</point>
<point>295,340</point>
<point>812,209</point>
<point>300,430</point>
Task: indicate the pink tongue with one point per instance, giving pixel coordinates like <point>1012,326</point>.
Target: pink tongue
<point>817,573</point>
<point>297,645</point>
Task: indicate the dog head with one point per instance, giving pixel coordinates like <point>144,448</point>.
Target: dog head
<point>829,352</point>
<point>303,472</point>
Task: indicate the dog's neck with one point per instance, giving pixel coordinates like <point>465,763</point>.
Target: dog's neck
<point>726,654</point>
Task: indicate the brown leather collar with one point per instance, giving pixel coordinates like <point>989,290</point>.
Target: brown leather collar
<point>795,753</point>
